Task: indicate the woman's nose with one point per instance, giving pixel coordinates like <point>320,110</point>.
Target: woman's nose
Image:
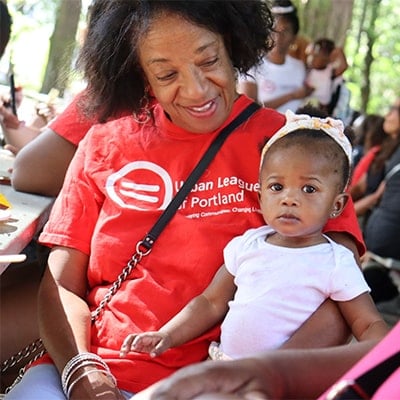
<point>194,84</point>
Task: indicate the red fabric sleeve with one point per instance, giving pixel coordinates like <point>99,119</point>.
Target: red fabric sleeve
<point>71,124</point>
<point>363,165</point>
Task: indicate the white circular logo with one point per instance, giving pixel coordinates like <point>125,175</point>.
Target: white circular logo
<point>140,185</point>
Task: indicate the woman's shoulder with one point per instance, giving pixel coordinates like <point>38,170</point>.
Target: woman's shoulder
<point>268,121</point>
<point>105,139</point>
<point>118,127</point>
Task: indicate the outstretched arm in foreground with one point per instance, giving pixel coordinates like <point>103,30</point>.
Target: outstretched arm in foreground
<point>279,374</point>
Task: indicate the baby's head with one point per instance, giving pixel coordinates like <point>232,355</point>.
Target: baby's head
<point>319,53</point>
<point>304,170</point>
<point>322,139</point>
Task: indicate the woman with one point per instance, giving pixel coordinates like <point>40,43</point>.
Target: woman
<point>367,191</point>
<point>173,64</point>
<point>382,229</point>
<point>369,135</point>
<point>40,166</point>
<point>279,81</point>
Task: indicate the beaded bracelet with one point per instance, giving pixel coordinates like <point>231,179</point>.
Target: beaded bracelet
<point>78,361</point>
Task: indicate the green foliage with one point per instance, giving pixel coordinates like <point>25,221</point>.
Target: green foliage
<point>33,25</point>
<point>385,68</point>
<point>373,89</point>
<point>374,86</point>
<point>33,22</point>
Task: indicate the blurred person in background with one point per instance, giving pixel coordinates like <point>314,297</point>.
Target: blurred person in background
<point>368,134</point>
<point>326,64</point>
<point>369,171</point>
<point>382,230</point>
<point>279,80</point>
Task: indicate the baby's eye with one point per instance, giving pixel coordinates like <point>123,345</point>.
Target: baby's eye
<point>276,187</point>
<point>309,189</point>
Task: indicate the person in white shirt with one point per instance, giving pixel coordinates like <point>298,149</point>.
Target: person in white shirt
<point>279,80</point>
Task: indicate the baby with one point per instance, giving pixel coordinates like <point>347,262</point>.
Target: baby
<point>277,275</point>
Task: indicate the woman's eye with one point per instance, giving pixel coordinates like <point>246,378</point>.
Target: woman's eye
<point>309,189</point>
<point>166,77</point>
<point>210,63</point>
<point>276,187</point>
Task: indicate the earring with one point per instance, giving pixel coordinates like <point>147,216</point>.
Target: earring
<point>333,214</point>
<point>144,115</point>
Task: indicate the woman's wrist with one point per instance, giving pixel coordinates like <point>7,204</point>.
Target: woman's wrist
<point>80,367</point>
<point>91,382</point>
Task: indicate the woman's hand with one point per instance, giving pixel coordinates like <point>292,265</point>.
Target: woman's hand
<point>244,379</point>
<point>7,117</point>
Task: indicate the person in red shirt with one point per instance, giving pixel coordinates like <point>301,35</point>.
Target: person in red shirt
<point>40,165</point>
<point>171,68</point>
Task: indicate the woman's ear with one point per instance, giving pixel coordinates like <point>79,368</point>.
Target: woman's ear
<point>339,204</point>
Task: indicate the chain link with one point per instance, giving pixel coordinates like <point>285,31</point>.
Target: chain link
<point>26,366</point>
<point>26,352</point>
<point>132,263</point>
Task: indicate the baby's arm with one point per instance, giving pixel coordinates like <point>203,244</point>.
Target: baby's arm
<point>199,315</point>
<point>363,318</point>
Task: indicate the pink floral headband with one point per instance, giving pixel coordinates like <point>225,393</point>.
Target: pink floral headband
<point>332,127</point>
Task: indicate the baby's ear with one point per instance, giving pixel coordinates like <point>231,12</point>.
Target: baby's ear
<point>339,204</point>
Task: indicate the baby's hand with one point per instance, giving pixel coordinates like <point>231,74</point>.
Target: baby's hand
<point>153,343</point>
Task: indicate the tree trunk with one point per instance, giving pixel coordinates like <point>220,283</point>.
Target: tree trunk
<point>62,45</point>
<point>325,19</point>
<point>371,34</point>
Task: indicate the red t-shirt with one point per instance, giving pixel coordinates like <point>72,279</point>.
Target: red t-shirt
<point>363,165</point>
<point>71,124</point>
<point>121,178</point>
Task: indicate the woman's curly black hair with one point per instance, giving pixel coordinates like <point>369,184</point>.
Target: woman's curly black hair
<point>109,57</point>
